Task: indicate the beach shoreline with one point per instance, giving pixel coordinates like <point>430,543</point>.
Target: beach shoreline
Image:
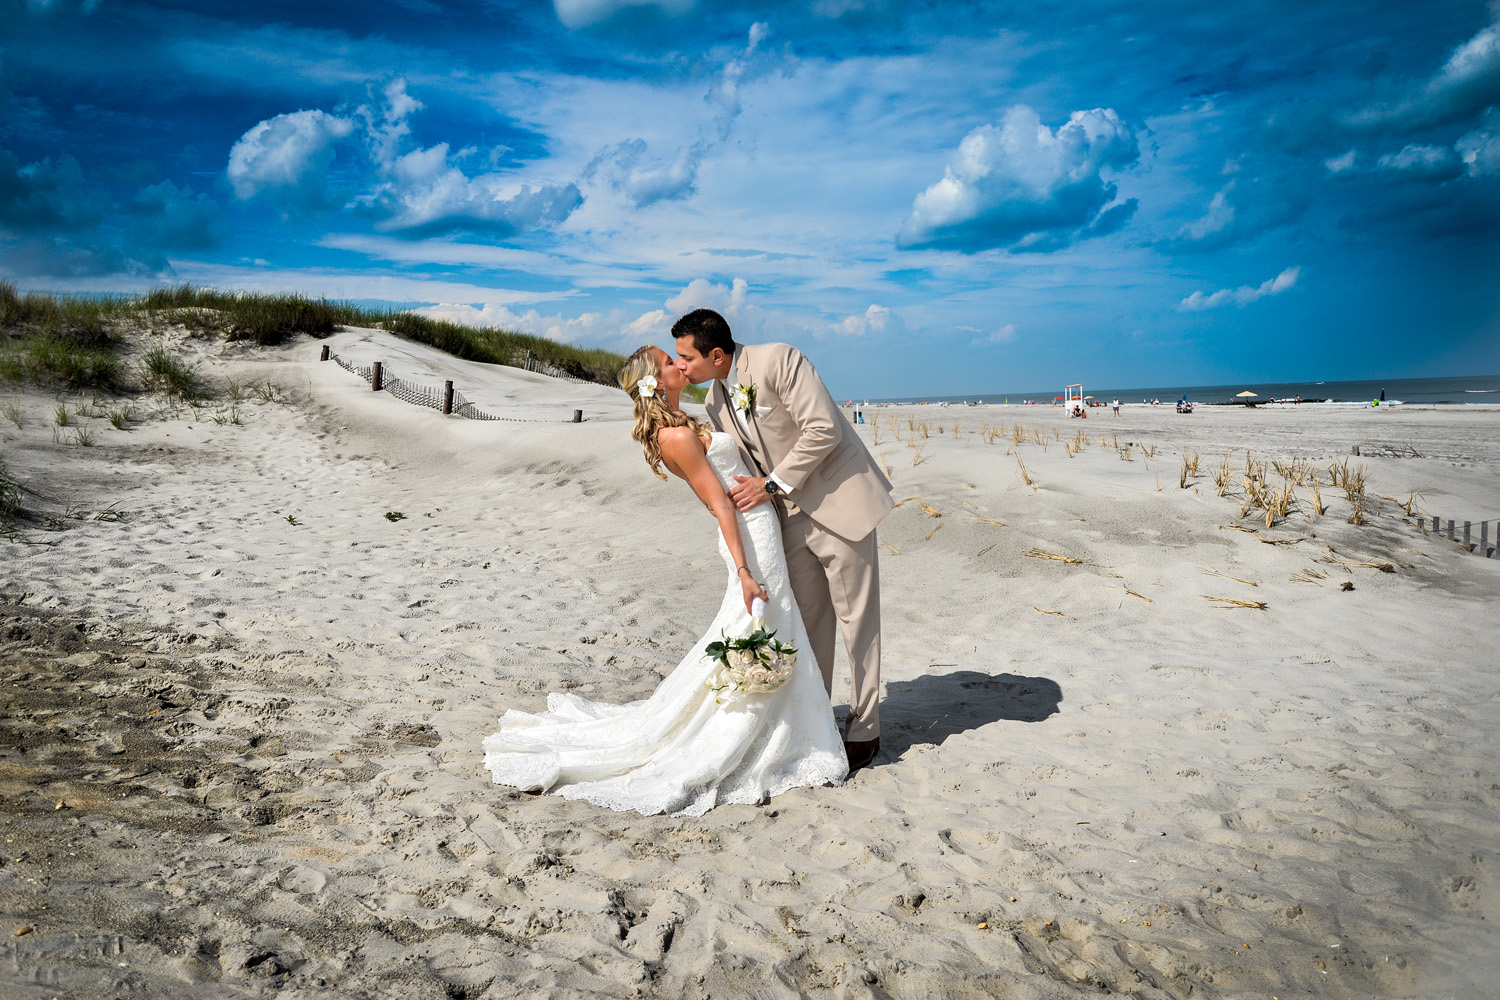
<point>240,746</point>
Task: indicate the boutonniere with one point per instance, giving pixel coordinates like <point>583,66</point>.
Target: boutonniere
<point>744,398</point>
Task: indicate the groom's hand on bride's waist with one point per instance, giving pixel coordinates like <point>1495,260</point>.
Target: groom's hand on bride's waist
<point>749,492</point>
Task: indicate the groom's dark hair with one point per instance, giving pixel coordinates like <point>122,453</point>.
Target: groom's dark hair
<point>708,330</point>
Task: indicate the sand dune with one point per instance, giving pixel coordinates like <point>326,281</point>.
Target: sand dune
<point>239,749</point>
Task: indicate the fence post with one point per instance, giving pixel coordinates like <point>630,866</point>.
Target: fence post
<point>577,416</point>
<point>325,353</point>
<point>1451,537</point>
<point>1484,539</point>
<point>1466,537</point>
<point>377,379</point>
<point>1435,525</point>
<point>448,396</point>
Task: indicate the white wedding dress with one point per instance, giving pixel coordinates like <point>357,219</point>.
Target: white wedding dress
<point>680,751</point>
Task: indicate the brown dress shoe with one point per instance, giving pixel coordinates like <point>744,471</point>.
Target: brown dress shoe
<point>861,752</point>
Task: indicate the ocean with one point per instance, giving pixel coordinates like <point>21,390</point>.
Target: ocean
<point>1453,391</point>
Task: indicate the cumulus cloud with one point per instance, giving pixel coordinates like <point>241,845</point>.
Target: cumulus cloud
<point>1242,209</point>
<point>1242,296</point>
<point>1466,84</point>
<point>727,300</point>
<point>1021,185</point>
<point>424,194</point>
<point>386,126</point>
<point>647,182</point>
<point>585,13</point>
<point>420,192</point>
<point>875,319</point>
<point>1434,163</point>
<point>615,328</point>
<point>287,158</point>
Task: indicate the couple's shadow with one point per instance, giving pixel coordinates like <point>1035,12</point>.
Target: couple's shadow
<point>934,707</point>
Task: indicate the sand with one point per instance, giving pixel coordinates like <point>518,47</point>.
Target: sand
<point>239,740</point>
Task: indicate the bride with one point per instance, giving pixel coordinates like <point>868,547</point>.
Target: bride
<point>687,748</point>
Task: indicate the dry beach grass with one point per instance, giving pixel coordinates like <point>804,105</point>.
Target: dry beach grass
<point>242,705</point>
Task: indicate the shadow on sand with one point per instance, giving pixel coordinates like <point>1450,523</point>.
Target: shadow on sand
<point>934,707</point>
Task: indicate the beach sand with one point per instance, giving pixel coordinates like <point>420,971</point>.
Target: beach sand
<point>242,711</point>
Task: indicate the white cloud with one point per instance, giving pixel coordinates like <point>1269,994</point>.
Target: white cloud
<point>875,319</point>
<point>386,127</point>
<point>1005,335</point>
<point>644,181</point>
<point>583,13</point>
<point>1480,151</point>
<point>1020,184</point>
<point>1219,217</point>
<point>421,192</point>
<point>1340,164</point>
<point>425,194</point>
<point>1423,162</point>
<point>647,183</point>
<point>1466,84</point>
<point>1242,296</point>
<point>725,92</point>
<point>613,328</point>
<point>287,157</point>
<point>1244,208</point>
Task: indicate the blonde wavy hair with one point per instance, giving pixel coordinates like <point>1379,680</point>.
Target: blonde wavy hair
<point>652,414</point>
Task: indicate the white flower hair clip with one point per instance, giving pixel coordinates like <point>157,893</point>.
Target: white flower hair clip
<point>646,387</point>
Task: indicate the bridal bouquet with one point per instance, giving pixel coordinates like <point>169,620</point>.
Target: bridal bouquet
<point>757,663</point>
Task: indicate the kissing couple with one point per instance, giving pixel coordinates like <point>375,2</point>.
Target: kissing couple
<point>797,497</point>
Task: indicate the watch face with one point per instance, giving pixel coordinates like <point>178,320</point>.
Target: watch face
<point>771,487</point>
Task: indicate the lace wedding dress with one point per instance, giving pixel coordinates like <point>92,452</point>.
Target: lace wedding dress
<point>679,751</point>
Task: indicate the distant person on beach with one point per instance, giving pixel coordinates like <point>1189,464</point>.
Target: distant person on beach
<point>1116,405</point>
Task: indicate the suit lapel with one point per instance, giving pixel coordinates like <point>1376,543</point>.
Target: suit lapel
<point>747,378</point>
<point>721,409</point>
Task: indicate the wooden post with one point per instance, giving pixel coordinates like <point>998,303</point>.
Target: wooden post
<point>1484,539</point>
<point>448,396</point>
<point>1450,531</point>
<point>577,416</point>
<point>1436,526</point>
<point>1466,537</point>
<point>325,353</point>
<point>377,380</point>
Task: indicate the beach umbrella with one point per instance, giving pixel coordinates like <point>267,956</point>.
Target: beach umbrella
<point>1247,394</point>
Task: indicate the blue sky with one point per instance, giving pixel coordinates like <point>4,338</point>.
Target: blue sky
<point>928,198</point>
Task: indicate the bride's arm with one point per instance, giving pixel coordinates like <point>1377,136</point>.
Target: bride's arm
<point>683,453</point>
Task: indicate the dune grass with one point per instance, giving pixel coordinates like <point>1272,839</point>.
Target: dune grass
<point>10,500</point>
<point>73,339</point>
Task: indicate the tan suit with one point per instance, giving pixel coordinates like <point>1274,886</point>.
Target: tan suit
<point>838,496</point>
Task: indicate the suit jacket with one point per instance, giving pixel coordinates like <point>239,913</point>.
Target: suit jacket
<point>798,432</point>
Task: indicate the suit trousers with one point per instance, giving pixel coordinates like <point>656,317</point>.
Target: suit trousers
<point>837,584</point>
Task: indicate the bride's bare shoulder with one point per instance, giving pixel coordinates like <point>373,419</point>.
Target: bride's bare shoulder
<point>679,441</point>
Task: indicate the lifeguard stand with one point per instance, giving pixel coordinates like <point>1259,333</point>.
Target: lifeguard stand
<point>1073,399</point>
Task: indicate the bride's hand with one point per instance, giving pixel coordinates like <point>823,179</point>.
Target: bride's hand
<point>750,590</point>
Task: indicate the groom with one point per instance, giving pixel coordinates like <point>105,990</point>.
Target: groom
<point>827,489</point>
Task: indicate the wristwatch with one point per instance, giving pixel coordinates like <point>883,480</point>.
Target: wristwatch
<point>771,488</point>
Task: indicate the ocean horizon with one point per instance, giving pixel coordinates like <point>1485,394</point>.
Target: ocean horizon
<point>1447,391</point>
